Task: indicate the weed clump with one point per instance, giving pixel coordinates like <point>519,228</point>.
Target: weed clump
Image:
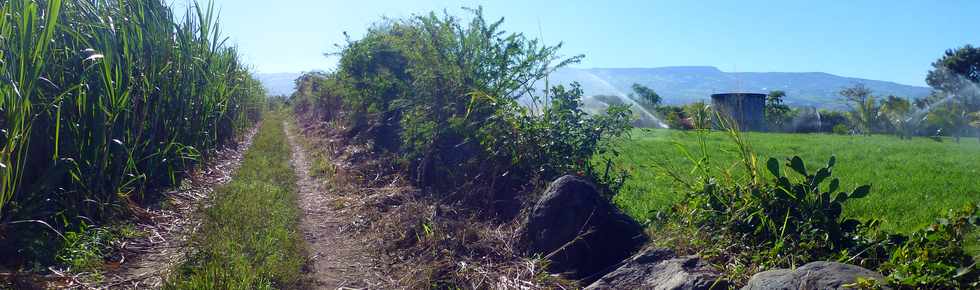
<point>745,224</point>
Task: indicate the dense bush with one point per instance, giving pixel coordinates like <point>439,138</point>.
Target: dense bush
<point>785,222</point>
<point>457,103</point>
<point>934,257</point>
<point>103,102</point>
<point>833,121</point>
<point>675,117</point>
<point>697,115</point>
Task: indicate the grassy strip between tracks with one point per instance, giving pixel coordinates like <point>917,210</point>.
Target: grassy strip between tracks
<point>249,237</point>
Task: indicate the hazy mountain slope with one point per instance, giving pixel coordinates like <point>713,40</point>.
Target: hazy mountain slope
<point>687,84</point>
<point>278,83</point>
<point>679,85</point>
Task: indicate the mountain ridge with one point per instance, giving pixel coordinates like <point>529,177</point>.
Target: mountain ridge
<point>686,84</point>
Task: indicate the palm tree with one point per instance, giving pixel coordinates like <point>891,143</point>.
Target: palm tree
<point>864,107</point>
<point>866,115</point>
<point>898,112</point>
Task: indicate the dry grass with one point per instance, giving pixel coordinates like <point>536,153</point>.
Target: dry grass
<point>423,242</point>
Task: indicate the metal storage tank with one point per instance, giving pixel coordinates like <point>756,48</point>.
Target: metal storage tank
<point>746,109</point>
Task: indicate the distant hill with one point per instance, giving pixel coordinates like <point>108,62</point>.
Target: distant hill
<point>278,83</point>
<point>685,84</point>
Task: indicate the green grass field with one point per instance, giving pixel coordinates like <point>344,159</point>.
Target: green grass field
<point>913,181</point>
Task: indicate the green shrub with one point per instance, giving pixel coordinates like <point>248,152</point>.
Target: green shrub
<point>783,222</point>
<point>675,117</point>
<point>934,257</point>
<point>748,224</point>
<point>85,248</point>
<point>841,129</point>
<point>457,102</point>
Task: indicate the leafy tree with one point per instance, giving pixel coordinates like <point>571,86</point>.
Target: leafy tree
<point>775,97</point>
<point>645,95</point>
<point>777,114</point>
<point>950,117</point>
<point>834,122</point>
<point>898,113</point>
<point>957,73</point>
<point>864,113</point>
<point>956,69</point>
<point>955,76</point>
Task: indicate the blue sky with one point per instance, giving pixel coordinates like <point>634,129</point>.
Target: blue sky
<point>886,40</point>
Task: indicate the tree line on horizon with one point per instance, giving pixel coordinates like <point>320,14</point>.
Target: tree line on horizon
<point>951,110</point>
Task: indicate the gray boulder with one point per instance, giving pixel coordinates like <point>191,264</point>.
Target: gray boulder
<point>661,269</point>
<point>816,275</point>
<point>582,233</point>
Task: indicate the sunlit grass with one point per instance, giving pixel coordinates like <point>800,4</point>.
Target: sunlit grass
<point>249,239</point>
<point>914,182</point>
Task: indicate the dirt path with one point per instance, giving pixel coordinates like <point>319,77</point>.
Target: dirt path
<point>145,262</point>
<point>338,261</point>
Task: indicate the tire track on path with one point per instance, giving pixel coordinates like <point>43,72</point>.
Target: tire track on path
<point>337,260</point>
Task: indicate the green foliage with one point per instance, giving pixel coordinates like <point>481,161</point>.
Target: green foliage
<point>818,208</point>
<point>864,114</point>
<point>943,176</point>
<point>250,239</point>
<point>85,248</point>
<point>742,222</point>
<point>831,119</point>
<point>104,103</point>
<point>934,258</point>
<point>456,100</point>
<point>700,115</point>
<point>675,117</point>
<point>647,96</point>
<point>777,114</point>
<point>841,129</point>
<point>950,118</point>
<point>956,69</point>
<point>563,139</point>
<point>898,113</point>
<point>790,219</point>
<point>697,115</point>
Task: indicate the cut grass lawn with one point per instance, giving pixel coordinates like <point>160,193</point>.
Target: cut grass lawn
<point>914,181</point>
<point>249,237</point>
